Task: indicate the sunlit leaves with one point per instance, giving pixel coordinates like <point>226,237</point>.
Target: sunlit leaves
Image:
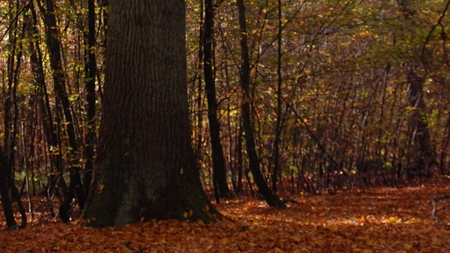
<point>376,220</point>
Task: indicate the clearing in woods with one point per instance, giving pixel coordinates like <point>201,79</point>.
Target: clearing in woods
<point>371,220</point>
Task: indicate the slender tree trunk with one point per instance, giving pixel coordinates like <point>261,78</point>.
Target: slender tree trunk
<point>43,98</point>
<point>420,133</point>
<point>146,166</point>
<point>239,159</point>
<point>271,198</point>
<point>4,192</point>
<point>54,46</point>
<point>103,21</point>
<point>91,69</point>
<point>279,120</point>
<point>199,126</point>
<point>219,169</point>
<point>11,111</point>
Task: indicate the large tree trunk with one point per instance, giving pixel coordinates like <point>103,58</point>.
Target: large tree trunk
<point>145,165</point>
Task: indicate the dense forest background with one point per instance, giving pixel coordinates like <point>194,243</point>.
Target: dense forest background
<point>342,93</point>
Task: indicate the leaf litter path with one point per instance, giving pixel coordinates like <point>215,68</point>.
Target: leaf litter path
<point>373,220</point>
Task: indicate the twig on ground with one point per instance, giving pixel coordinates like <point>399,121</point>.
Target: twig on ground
<point>434,202</point>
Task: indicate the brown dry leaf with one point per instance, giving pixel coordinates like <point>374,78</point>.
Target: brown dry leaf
<point>375,220</point>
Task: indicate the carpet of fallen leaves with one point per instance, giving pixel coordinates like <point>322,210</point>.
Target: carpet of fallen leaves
<point>370,220</point>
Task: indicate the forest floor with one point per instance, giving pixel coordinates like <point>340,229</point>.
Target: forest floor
<point>370,220</point>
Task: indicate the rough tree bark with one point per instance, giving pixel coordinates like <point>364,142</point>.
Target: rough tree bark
<point>145,166</point>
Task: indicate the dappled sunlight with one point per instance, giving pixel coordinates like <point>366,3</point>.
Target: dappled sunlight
<point>371,220</point>
<point>374,220</point>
